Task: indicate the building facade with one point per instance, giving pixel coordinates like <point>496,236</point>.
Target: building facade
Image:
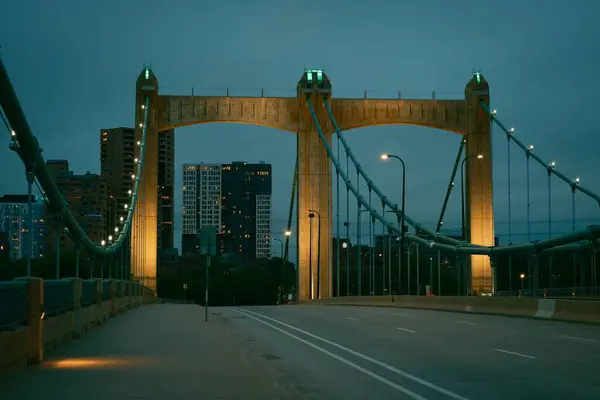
<point>166,187</point>
<point>234,198</point>
<point>117,165</point>
<point>15,227</point>
<point>90,202</point>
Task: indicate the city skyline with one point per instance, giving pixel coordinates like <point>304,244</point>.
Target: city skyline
<point>515,62</point>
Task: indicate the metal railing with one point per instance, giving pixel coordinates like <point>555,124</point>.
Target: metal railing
<point>58,296</point>
<point>578,292</point>
<point>13,304</point>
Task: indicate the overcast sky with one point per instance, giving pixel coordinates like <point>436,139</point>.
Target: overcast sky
<point>74,65</point>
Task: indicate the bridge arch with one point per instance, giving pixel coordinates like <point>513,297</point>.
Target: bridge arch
<point>465,117</point>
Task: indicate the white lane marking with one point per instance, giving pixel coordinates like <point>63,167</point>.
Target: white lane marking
<point>353,319</point>
<point>389,367</point>
<point>577,338</point>
<point>514,353</point>
<point>467,323</point>
<point>406,330</point>
<point>341,359</point>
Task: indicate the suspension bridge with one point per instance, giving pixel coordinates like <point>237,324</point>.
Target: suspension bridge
<point>316,117</point>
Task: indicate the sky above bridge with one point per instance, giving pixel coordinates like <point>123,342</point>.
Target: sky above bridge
<point>74,66</point>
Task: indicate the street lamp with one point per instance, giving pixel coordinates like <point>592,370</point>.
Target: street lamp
<point>288,233</point>
<point>522,276</point>
<point>385,156</point>
<point>281,245</point>
<point>345,245</point>
<point>103,243</point>
<point>311,215</point>
<point>281,276</point>
<point>462,192</point>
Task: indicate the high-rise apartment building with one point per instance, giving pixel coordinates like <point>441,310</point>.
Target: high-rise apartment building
<point>117,165</point>
<point>235,199</point>
<point>14,224</point>
<point>89,200</point>
<point>166,187</point>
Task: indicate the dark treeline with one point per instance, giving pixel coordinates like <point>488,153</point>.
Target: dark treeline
<point>259,282</point>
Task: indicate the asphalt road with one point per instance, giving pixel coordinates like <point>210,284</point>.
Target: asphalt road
<point>337,352</point>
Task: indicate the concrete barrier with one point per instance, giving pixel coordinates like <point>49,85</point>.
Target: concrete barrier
<point>553,309</point>
<point>27,344</point>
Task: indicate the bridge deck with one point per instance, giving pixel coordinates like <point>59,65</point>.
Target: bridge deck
<point>154,352</point>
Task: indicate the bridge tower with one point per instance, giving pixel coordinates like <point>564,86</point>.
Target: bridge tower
<point>144,227</point>
<point>479,199</point>
<point>314,189</point>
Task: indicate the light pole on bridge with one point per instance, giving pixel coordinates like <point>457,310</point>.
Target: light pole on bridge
<point>402,230</point>
<point>311,215</point>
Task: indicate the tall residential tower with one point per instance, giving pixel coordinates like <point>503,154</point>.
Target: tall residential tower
<point>117,165</point>
<point>234,198</point>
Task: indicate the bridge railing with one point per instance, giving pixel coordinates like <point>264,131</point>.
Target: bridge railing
<point>64,295</point>
<point>13,304</point>
<point>568,292</point>
<point>36,315</point>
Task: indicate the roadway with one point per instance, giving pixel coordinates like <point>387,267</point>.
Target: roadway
<point>167,351</point>
<point>331,352</point>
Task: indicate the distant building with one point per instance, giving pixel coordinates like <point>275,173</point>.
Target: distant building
<point>166,187</point>
<point>117,165</point>
<point>88,199</point>
<point>14,226</point>
<point>235,199</point>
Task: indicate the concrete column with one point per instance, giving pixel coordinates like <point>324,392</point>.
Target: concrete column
<point>314,192</point>
<point>145,220</point>
<point>129,289</point>
<point>478,183</point>
<point>35,307</point>
<point>99,291</point>
<point>112,297</point>
<point>77,289</point>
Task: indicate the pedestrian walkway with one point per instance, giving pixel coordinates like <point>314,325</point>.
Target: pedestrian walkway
<point>162,352</point>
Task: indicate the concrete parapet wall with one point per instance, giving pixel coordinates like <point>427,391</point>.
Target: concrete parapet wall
<point>554,309</point>
<point>26,344</point>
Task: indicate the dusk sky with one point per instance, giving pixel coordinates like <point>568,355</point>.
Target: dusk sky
<point>74,66</point>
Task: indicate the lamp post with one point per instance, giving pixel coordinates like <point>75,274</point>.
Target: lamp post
<point>287,235</point>
<point>462,192</point>
<point>573,190</point>
<point>281,276</point>
<point>528,155</point>
<point>280,245</point>
<point>551,166</point>
<point>385,157</point>
<point>102,243</point>
<point>522,276</point>
<point>311,215</point>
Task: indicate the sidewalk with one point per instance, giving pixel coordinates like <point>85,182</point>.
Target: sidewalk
<point>157,352</point>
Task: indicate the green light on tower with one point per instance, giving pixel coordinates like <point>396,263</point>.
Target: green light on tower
<point>319,76</point>
<point>147,73</point>
<point>309,76</point>
<point>478,77</point>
